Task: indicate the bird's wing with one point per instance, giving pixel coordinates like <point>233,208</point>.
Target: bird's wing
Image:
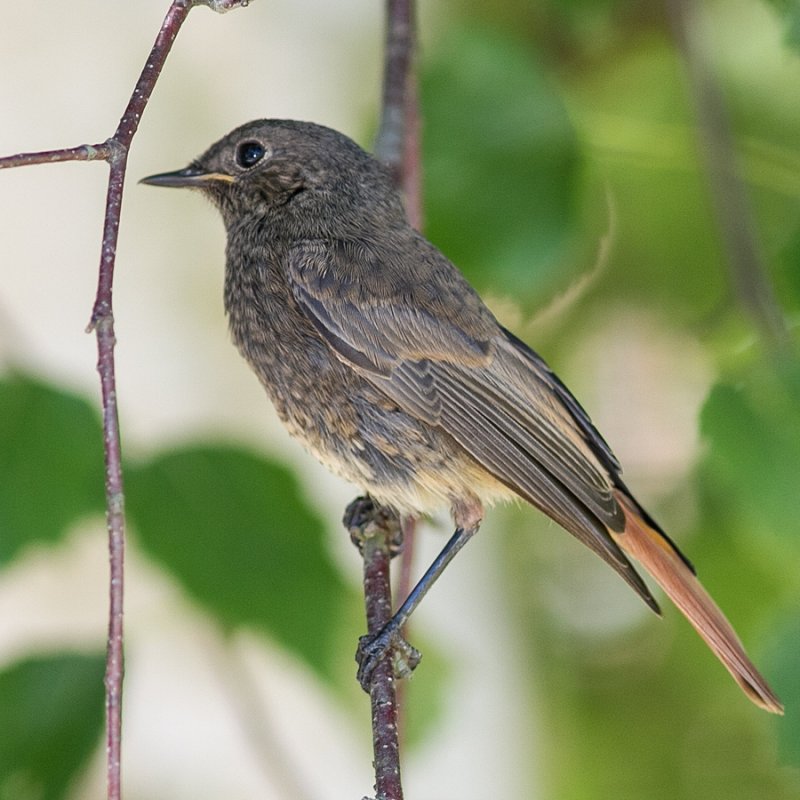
<point>431,345</point>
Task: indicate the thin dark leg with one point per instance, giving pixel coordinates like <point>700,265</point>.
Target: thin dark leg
<point>372,648</point>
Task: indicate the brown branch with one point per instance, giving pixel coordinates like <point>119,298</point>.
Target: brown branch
<point>386,742</point>
<point>102,322</point>
<point>84,152</point>
<point>115,152</point>
<point>377,533</point>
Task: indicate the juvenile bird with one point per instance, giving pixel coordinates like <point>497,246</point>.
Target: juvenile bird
<point>386,364</point>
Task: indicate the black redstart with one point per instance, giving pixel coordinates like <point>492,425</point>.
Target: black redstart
<point>383,360</point>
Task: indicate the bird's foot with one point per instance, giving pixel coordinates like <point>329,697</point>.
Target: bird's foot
<point>388,643</point>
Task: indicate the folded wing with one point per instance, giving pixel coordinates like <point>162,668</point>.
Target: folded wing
<point>435,350</point>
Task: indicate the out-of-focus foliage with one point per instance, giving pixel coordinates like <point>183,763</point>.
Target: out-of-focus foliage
<point>495,127</point>
<point>230,526</point>
<point>753,430</point>
<point>51,463</point>
<point>790,11</point>
<point>648,713</point>
<point>52,717</point>
<point>235,531</point>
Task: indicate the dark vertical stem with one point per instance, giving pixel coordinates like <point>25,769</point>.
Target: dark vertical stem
<point>398,55</point>
<point>378,603</point>
<point>398,143</point>
<point>102,322</point>
<point>377,532</point>
<point>728,192</point>
<point>398,146</point>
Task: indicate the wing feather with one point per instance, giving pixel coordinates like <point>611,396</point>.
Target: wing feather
<point>458,369</point>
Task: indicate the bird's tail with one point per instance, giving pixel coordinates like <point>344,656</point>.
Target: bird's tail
<point>660,558</point>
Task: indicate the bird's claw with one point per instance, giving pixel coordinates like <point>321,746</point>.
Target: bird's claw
<point>387,643</point>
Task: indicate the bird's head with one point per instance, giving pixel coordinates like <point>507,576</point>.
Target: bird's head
<point>305,172</point>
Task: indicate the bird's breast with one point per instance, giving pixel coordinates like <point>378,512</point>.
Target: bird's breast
<point>340,417</point>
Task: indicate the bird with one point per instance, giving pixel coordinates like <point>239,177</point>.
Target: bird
<point>382,359</point>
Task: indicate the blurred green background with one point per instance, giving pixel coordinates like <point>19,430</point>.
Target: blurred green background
<point>649,248</point>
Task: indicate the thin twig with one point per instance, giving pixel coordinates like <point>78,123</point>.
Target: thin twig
<point>115,152</point>
<point>84,152</point>
<point>102,322</point>
<point>386,743</point>
<point>751,283</point>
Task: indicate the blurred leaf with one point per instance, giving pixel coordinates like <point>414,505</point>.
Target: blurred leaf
<point>500,162</point>
<point>783,665</point>
<point>235,530</point>
<point>633,116</point>
<point>789,275</point>
<point>51,718</point>
<point>754,432</point>
<point>51,462</point>
<point>789,11</point>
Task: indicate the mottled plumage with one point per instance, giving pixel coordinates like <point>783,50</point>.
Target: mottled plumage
<point>383,360</point>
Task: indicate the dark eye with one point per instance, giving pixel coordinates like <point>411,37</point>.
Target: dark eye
<point>249,153</point>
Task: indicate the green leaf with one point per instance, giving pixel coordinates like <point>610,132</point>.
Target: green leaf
<point>788,278</point>
<point>754,431</point>
<point>234,529</point>
<point>500,161</point>
<point>51,718</point>
<point>51,462</point>
<point>783,665</point>
<point>789,10</point>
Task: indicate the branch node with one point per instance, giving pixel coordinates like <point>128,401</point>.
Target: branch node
<point>115,151</point>
<point>102,319</point>
<point>222,6</point>
<point>366,520</point>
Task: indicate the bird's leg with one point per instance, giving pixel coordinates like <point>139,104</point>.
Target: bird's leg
<point>372,648</point>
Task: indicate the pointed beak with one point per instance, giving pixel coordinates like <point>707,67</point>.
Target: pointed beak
<point>191,177</point>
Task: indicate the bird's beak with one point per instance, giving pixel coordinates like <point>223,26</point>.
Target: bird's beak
<point>191,177</point>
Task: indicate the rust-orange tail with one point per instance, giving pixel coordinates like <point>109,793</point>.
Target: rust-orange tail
<point>640,541</point>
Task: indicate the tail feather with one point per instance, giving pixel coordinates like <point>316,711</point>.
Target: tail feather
<point>669,569</point>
